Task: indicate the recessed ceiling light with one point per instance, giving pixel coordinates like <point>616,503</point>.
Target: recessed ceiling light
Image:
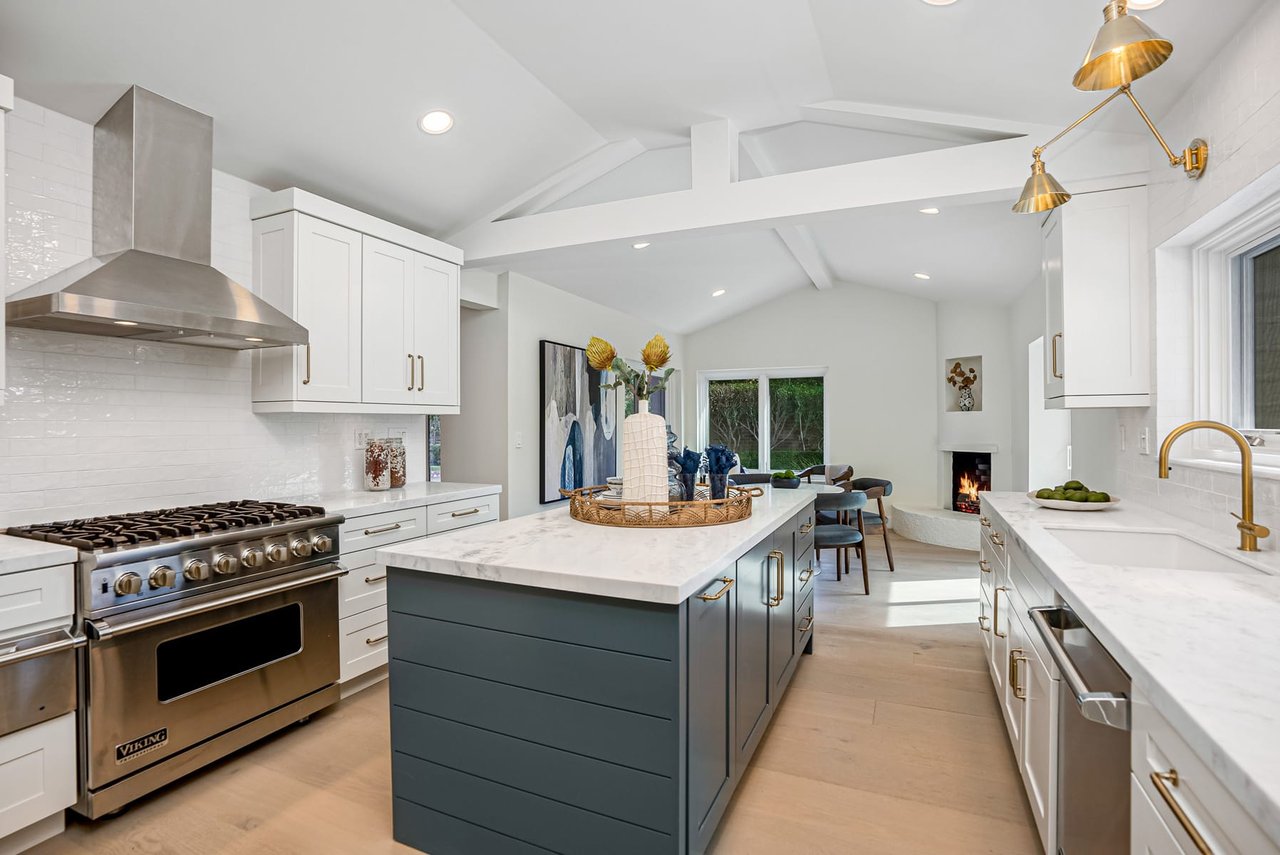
<point>125,323</point>
<point>251,338</point>
<point>1143,5</point>
<point>641,245</point>
<point>949,2</point>
<point>921,275</point>
<point>929,211</point>
<point>719,292</point>
<point>436,122</point>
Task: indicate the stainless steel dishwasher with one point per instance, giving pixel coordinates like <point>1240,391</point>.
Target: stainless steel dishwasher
<point>1093,737</point>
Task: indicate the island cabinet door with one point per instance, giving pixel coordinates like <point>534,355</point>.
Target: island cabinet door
<point>756,575</point>
<point>711,754</point>
<point>782,610</point>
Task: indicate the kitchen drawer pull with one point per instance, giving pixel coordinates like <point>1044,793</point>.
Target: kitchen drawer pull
<point>995,614</point>
<point>371,580</point>
<point>805,528</point>
<point>809,626</point>
<point>410,372</point>
<point>382,529</point>
<point>775,601</point>
<point>307,380</point>
<point>378,640</point>
<point>718,595</point>
<point>465,513</point>
<point>983,620</point>
<point>422,373</point>
<point>806,574</point>
<point>986,523</point>
<point>996,539</point>
<point>1057,375</point>
<point>1015,656</point>
<point>984,565</point>
<point>1159,779</point>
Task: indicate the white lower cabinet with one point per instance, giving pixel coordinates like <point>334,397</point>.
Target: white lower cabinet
<point>35,601</point>
<point>363,642</point>
<point>1148,835</point>
<point>37,776</point>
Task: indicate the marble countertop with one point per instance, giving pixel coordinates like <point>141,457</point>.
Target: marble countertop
<point>355,503</point>
<point>552,550</point>
<point>20,553</point>
<point>1201,646</point>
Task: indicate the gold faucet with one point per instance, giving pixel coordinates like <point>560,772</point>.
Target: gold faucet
<point>1250,531</point>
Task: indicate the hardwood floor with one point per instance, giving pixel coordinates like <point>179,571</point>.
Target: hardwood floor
<point>889,741</point>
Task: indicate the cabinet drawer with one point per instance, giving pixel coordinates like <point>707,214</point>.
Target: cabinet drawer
<point>363,642</point>
<point>984,619</point>
<point>377,530</point>
<point>37,772</point>
<point>804,531</point>
<point>365,585</point>
<point>989,570</point>
<point>1209,809</point>
<point>806,570</point>
<point>448,516</point>
<point>804,622</point>
<point>36,600</point>
<point>1148,835</point>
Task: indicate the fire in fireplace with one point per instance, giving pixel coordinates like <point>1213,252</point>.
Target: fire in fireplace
<point>970,475</point>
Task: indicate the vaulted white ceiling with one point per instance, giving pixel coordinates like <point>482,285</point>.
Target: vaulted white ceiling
<point>325,94</point>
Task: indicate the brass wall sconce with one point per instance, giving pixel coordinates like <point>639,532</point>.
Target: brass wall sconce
<point>1124,50</point>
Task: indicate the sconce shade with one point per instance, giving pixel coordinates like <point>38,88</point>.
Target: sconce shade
<point>1124,50</point>
<point>1042,192</point>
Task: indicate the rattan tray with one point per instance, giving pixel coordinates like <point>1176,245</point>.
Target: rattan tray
<point>586,504</point>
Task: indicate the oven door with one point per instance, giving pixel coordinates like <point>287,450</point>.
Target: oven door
<point>163,679</point>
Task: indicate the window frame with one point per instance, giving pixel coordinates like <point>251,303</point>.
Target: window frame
<point>763,375</point>
<point>1243,378</point>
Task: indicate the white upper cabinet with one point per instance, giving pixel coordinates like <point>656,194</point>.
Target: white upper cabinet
<point>380,303</point>
<point>1095,268</point>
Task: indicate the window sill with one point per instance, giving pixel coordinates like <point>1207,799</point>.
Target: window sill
<point>1265,465</point>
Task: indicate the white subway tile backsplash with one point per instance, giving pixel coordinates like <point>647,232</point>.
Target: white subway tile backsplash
<point>97,425</point>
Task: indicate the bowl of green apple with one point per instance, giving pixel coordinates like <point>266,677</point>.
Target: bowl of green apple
<point>1073,496</point>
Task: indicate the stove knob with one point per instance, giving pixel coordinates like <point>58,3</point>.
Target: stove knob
<point>277,552</point>
<point>300,548</point>
<point>163,577</point>
<point>225,565</point>
<point>322,543</point>
<point>196,570</point>
<point>252,558</point>
<point>128,584</point>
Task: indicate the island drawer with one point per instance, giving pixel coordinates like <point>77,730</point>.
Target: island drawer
<point>362,641</point>
<point>365,585</point>
<point>34,601</point>
<point>804,531</point>
<point>804,622</point>
<point>806,570</point>
<point>448,516</point>
<point>378,530</point>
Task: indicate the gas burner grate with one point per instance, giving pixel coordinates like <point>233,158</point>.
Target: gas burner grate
<point>113,532</point>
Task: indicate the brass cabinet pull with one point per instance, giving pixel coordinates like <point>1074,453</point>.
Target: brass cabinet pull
<point>382,529</point>
<point>996,539</point>
<point>983,620</point>
<point>1015,656</point>
<point>807,574</point>
<point>306,380</point>
<point>466,513</point>
<point>724,589</point>
<point>805,528</point>
<point>984,565</point>
<point>1056,373</point>
<point>775,601</point>
<point>377,640</point>
<point>410,372</point>
<point>1159,779</point>
<point>372,580</point>
<point>808,626</point>
<point>995,615</point>
<point>422,372</point>
<point>986,523</point>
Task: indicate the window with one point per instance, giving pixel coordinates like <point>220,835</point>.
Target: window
<point>1256,293</point>
<point>774,420</point>
<point>433,448</point>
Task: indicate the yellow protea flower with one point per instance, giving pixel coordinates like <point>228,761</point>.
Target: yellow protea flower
<point>600,354</point>
<point>656,353</point>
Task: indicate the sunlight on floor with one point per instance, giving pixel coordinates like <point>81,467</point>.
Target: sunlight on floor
<point>929,602</point>
<point>934,591</point>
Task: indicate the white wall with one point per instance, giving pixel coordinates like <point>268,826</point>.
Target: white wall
<point>96,425</point>
<point>883,367</point>
<point>529,311</point>
<point>1026,324</point>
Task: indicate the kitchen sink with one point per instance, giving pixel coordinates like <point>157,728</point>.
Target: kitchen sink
<point>1148,548</point>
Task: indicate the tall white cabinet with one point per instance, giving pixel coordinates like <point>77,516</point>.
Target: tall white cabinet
<point>381,304</point>
<point>1097,301</point>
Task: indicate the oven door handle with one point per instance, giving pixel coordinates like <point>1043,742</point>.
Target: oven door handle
<point>13,654</point>
<point>102,629</point>
<point>1109,708</point>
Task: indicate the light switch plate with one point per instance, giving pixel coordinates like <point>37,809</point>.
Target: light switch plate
<point>362,438</point>
<point>401,434</point>
<point>1144,441</point>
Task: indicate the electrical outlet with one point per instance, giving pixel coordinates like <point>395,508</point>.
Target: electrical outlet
<point>1144,441</point>
<point>362,438</point>
<point>401,434</point>
<point>519,439</point>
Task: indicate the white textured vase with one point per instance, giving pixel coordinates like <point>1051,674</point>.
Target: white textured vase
<point>644,457</point>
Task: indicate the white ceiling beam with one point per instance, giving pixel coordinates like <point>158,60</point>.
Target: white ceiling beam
<point>930,124</point>
<point>714,153</point>
<point>555,187</point>
<point>797,238</point>
<point>987,171</point>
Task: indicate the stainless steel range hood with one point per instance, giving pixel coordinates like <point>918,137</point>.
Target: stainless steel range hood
<point>150,277</point>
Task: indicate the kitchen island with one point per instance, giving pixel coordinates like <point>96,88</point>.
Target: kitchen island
<point>558,686</point>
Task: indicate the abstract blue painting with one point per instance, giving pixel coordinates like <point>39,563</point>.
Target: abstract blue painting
<point>579,422</point>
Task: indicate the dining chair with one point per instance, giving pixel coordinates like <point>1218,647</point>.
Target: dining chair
<point>840,535</point>
<point>831,473</point>
<point>877,488</point>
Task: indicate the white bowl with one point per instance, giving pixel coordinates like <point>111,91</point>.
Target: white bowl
<point>1059,505</point>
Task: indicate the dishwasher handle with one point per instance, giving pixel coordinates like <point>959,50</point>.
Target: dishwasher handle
<point>1109,708</point>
